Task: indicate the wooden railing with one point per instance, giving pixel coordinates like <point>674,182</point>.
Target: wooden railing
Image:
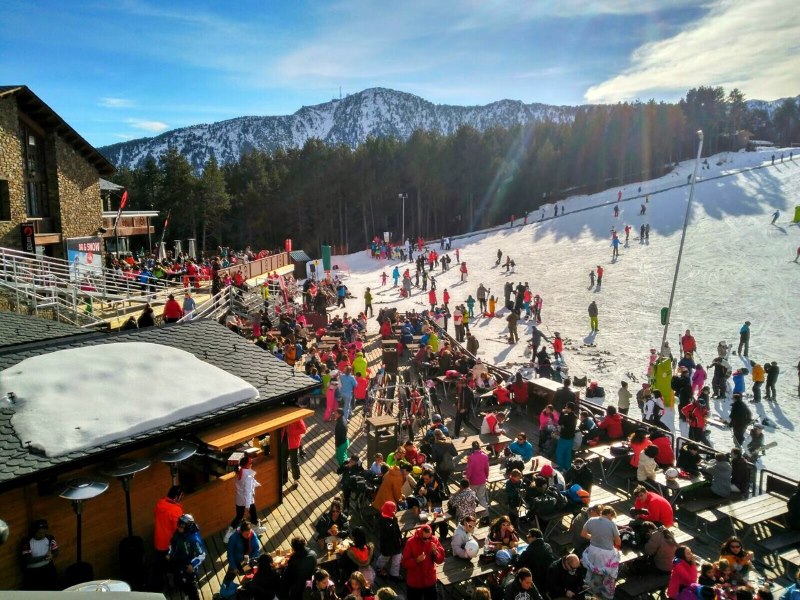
<point>259,266</point>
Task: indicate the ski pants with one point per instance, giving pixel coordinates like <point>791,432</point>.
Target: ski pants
<point>593,323</point>
<point>718,387</point>
<point>746,345</point>
<point>771,390</point>
<point>757,391</point>
<point>564,453</point>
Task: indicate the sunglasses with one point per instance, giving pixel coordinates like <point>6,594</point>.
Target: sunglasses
<point>735,546</point>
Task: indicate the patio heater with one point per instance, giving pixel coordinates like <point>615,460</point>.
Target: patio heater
<point>78,491</point>
<point>176,455</point>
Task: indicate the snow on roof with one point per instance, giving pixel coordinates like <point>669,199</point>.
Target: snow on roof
<point>83,397</point>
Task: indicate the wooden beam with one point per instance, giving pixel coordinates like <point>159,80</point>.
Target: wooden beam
<point>233,434</point>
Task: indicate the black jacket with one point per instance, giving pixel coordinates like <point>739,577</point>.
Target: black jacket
<point>537,557</point>
<point>325,522</point>
<point>340,432</point>
<point>559,580</point>
<point>568,424</point>
<point>390,540</point>
<point>513,591</point>
<point>299,569</point>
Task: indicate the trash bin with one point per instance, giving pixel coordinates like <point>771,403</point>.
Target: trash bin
<point>380,440</point>
<point>390,359</point>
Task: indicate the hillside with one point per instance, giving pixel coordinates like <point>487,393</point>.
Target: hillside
<point>736,267</point>
<point>349,121</point>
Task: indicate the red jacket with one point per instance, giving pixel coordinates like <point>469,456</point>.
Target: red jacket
<point>558,345</point>
<point>432,297</point>
<point>658,509</point>
<point>696,414</point>
<point>446,297</point>
<point>165,516</point>
<point>688,343</point>
<point>294,433</point>
<point>172,310</point>
<point>683,575</point>
<point>599,271</point>
<point>612,425</point>
<point>422,574</point>
<point>386,329</point>
<point>362,383</point>
<point>665,456</point>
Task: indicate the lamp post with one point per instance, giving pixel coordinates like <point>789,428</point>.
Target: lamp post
<point>403,226</point>
<point>683,236</point>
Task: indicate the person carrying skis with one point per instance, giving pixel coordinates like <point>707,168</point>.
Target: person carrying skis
<point>744,339</point>
<point>593,315</point>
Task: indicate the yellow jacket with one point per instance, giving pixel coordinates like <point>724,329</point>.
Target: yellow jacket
<point>758,373</point>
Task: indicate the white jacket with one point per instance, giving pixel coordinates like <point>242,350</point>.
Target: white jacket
<point>460,539</point>
<point>246,488</point>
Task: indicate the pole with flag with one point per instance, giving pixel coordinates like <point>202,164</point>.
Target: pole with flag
<point>164,231</point>
<point>122,204</point>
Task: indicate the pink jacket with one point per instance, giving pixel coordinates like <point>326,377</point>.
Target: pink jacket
<point>545,420</point>
<point>477,471</point>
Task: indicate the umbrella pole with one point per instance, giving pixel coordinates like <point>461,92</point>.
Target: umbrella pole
<point>126,485</point>
<point>76,506</point>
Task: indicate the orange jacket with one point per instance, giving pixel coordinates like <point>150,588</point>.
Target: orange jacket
<point>166,516</point>
<point>758,373</point>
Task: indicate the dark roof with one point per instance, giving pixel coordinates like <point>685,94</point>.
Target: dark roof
<point>35,108</point>
<point>206,339</point>
<point>299,256</point>
<point>16,329</point>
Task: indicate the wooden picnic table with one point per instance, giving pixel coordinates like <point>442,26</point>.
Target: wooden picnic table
<point>409,521</point>
<point>615,460</point>
<point>455,570</point>
<point>753,511</point>
<point>464,444</point>
<point>497,474</point>
<point>676,487</point>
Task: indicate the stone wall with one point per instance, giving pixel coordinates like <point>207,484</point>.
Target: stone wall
<point>80,206</point>
<point>11,169</point>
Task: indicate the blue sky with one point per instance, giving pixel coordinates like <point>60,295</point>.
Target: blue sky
<point>124,69</point>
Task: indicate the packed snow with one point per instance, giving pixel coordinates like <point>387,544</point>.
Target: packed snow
<point>736,266</point>
<point>84,397</point>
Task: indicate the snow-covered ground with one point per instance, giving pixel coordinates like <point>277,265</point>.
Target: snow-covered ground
<point>735,267</point>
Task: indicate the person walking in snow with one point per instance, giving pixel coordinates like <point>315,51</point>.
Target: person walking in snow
<point>615,248</point>
<point>432,299</point>
<point>424,280</point>
<point>511,319</point>
<point>619,195</point>
<point>536,339</point>
<point>445,297</point>
<point>775,216</point>
<point>599,276</point>
<point>555,210</point>
<point>744,339</point>
<point>482,291</point>
<point>368,302</point>
<point>463,270</point>
<point>616,210</point>
<point>593,315</point>
<point>396,275</point>
<point>558,347</point>
<point>499,257</point>
<point>591,279</point>
<point>471,306</point>
<point>562,210</point>
<point>627,234</point>
<point>641,234</point>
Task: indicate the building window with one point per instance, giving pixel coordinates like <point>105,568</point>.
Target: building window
<point>5,201</point>
<point>36,201</point>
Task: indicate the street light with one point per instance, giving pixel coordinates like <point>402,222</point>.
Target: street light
<point>683,235</point>
<point>403,197</point>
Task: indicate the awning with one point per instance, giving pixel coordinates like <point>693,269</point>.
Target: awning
<point>252,426</point>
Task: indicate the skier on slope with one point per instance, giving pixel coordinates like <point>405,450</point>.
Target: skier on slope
<point>536,339</point>
<point>775,216</point>
<point>744,339</point>
<point>615,247</point>
<point>499,257</point>
<point>599,276</point>
<point>593,315</point>
<point>396,275</point>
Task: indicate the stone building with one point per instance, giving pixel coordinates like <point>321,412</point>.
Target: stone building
<point>49,176</point>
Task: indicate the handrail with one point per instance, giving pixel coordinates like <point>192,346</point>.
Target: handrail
<point>767,473</point>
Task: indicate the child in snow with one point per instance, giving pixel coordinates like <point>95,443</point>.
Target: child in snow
<point>384,277</point>
<point>492,306</point>
<point>591,278</point>
<point>698,379</point>
<point>558,347</point>
<point>653,359</point>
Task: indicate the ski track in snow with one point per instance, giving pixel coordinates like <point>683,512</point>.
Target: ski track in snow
<point>735,267</point>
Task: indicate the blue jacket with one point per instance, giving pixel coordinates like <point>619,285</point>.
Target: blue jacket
<point>396,273</point>
<point>238,547</point>
<point>187,548</point>
<point>738,383</point>
<point>347,385</point>
<point>524,449</point>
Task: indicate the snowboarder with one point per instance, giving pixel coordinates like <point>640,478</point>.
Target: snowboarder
<point>591,279</point>
<point>593,315</point>
<point>499,257</point>
<point>775,216</point>
<point>599,276</point>
<point>772,370</point>
<point>744,339</point>
<point>482,291</point>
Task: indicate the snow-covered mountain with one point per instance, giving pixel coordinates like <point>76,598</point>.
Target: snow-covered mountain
<point>770,106</point>
<point>350,121</point>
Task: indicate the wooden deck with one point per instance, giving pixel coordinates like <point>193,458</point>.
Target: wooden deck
<point>319,485</point>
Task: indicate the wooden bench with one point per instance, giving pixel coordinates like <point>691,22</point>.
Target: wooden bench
<point>643,586</point>
<point>790,559</point>
<point>782,540</point>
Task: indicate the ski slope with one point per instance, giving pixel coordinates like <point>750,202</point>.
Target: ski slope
<point>736,266</point>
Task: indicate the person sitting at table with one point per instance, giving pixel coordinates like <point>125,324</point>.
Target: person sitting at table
<point>537,557</point>
<point>522,447</point>
<point>521,587</point>
<point>724,576</point>
<point>462,535</point>
<point>502,533</point>
<point>689,458</point>
<point>321,588</point>
<point>741,560</point>
<point>684,572</point>
<point>658,552</point>
<point>548,423</point>
<point>579,473</point>
<point>493,425</point>
<point>665,457</point>
<point>412,455</point>
<point>638,441</point>
<point>302,564</point>
<point>720,472</point>
<point>513,489</point>
<point>242,546</point>
<point>464,503</point>
<point>553,478</point>
<point>650,506</point>
<point>611,425</point>
<point>646,471</point>
<point>266,583</point>
<point>358,588</point>
<point>740,473</point>
<point>707,574</point>
<point>428,495</point>
<point>333,523</point>
<point>565,577</point>
<point>358,557</point>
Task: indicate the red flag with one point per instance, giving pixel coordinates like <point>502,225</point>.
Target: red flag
<point>124,200</point>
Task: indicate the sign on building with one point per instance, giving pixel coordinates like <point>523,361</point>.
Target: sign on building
<point>28,235</point>
<point>85,258</point>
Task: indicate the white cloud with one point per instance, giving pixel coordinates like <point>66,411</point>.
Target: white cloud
<point>754,46</point>
<point>151,126</point>
<point>112,102</point>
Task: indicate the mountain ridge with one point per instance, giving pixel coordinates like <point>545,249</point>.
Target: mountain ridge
<point>376,112</point>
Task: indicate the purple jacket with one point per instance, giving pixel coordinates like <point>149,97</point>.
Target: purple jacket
<point>477,471</point>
